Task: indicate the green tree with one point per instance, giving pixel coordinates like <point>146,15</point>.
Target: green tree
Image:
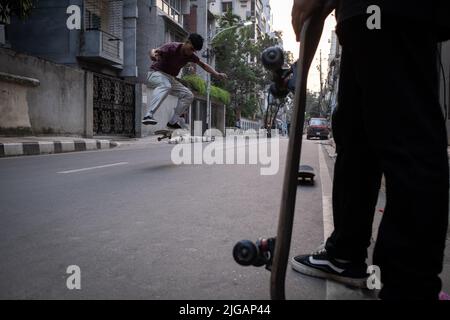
<point>20,8</point>
<point>239,55</point>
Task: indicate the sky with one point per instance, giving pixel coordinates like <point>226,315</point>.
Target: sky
<point>281,10</point>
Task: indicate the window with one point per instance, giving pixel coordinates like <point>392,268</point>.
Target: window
<point>94,12</point>
<point>227,6</point>
<point>173,35</point>
<point>104,15</point>
<point>318,122</point>
<point>172,8</point>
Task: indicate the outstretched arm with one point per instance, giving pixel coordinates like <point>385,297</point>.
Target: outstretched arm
<point>211,70</point>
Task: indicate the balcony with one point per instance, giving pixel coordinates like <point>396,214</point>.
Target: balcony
<point>102,47</point>
<point>174,12</point>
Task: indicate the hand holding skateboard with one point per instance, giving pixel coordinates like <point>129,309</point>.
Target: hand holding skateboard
<point>310,26</point>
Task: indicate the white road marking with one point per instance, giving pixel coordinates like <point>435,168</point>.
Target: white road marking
<point>333,291</point>
<point>327,187</point>
<point>94,168</point>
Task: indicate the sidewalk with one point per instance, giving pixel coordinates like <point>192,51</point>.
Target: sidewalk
<point>23,146</point>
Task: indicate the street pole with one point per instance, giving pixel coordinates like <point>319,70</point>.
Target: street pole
<point>208,100</point>
<point>321,83</point>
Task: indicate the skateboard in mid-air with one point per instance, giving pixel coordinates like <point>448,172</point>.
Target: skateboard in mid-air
<point>274,252</point>
<point>173,135</point>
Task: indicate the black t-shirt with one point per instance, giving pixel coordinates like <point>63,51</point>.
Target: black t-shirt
<point>421,10</point>
<point>433,12</point>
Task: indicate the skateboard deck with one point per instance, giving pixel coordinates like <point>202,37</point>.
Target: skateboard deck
<point>306,175</point>
<point>164,134</point>
<point>310,37</point>
<point>176,136</point>
<point>274,252</point>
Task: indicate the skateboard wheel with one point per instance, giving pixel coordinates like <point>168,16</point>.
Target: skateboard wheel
<point>273,58</point>
<point>245,252</point>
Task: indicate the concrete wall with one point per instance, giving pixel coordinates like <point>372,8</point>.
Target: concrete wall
<point>15,119</point>
<point>150,34</point>
<point>45,34</point>
<point>202,28</point>
<point>61,104</point>
<point>130,16</point>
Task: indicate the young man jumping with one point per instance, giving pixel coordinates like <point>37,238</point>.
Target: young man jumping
<point>168,60</point>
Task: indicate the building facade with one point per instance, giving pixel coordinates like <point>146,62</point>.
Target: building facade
<point>110,41</point>
<point>258,11</point>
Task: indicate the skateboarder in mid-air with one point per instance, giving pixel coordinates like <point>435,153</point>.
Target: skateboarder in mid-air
<point>168,60</point>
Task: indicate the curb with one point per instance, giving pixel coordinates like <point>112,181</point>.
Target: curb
<point>52,147</point>
<point>330,149</point>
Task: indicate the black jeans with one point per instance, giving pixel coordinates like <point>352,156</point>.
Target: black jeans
<point>389,122</point>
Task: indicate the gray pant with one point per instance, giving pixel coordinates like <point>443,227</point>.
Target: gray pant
<point>164,85</point>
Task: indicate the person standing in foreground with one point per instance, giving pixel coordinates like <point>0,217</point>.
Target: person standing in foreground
<point>168,60</point>
<point>389,121</point>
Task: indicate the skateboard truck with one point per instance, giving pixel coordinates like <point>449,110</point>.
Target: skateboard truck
<point>164,134</point>
<point>248,253</point>
<point>273,60</point>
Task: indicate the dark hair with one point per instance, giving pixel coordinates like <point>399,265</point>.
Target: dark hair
<point>196,40</point>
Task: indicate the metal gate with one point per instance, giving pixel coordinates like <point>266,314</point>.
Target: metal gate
<point>114,106</point>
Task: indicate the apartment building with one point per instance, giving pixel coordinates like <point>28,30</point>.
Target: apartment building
<point>258,11</point>
<point>108,42</point>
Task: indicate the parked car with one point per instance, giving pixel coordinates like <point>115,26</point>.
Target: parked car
<point>318,128</point>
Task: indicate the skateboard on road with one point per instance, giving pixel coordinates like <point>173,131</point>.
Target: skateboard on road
<point>306,175</point>
<point>274,252</point>
<point>164,134</point>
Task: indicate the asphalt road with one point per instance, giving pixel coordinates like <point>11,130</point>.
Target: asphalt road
<point>140,227</point>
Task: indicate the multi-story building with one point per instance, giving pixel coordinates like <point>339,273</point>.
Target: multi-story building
<point>258,11</point>
<point>267,18</point>
<point>247,10</point>
<point>110,40</point>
